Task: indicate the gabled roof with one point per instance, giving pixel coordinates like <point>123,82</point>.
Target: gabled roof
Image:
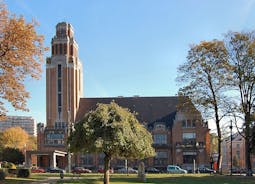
<point>149,109</point>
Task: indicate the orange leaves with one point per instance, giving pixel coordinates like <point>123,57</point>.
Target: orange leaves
<point>21,56</point>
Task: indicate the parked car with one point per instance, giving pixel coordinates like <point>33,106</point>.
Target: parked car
<point>238,171</point>
<point>37,170</point>
<point>127,170</point>
<point>205,170</point>
<point>101,170</point>
<point>79,170</point>
<point>152,170</point>
<point>55,170</point>
<point>174,169</point>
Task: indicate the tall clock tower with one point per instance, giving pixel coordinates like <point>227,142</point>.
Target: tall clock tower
<point>64,85</point>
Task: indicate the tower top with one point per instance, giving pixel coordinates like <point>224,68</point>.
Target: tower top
<point>64,29</point>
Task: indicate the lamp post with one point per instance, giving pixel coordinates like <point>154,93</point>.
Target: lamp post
<point>68,146</point>
<point>211,161</point>
<point>231,139</point>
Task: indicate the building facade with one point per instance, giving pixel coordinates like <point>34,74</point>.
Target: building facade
<point>180,137</point>
<point>238,153</point>
<point>25,122</point>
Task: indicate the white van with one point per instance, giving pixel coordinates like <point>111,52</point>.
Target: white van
<point>174,169</point>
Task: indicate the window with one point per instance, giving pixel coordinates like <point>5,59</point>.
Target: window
<point>189,123</point>
<point>161,158</point>
<point>56,49</point>
<point>160,139</point>
<point>60,125</point>
<point>87,159</point>
<point>60,49</point>
<point>59,71</point>
<point>189,138</point>
<point>238,146</point>
<point>189,135</point>
<point>161,154</point>
<point>59,100</point>
<point>184,123</point>
<point>238,154</point>
<point>54,138</point>
<point>59,85</point>
<point>160,126</point>
<point>189,159</point>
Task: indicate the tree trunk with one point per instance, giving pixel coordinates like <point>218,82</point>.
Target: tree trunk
<point>219,160</point>
<point>107,160</point>
<point>247,146</point>
<point>217,121</point>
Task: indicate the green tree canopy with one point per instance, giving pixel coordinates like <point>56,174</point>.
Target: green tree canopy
<point>114,131</point>
<point>13,155</point>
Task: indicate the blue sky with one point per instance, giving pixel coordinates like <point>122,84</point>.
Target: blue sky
<point>131,47</point>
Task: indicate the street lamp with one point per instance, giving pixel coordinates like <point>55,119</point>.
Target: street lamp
<point>68,146</point>
<point>211,161</point>
<point>231,139</point>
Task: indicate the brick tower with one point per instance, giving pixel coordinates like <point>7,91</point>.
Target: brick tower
<point>64,88</point>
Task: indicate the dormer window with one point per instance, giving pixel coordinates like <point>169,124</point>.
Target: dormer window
<point>160,127</point>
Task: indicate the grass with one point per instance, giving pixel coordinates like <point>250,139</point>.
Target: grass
<point>132,179</point>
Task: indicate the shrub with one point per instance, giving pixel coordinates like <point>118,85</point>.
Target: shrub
<point>12,172</point>
<point>24,173</point>
<point>8,165</point>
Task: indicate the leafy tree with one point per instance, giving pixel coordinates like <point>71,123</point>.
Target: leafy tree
<point>204,76</point>
<point>31,143</point>
<point>241,51</point>
<point>13,155</point>
<point>213,143</point>
<point>14,137</point>
<point>21,56</point>
<point>114,131</point>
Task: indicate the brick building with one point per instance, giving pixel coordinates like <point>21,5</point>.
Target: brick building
<point>238,153</point>
<point>180,137</point>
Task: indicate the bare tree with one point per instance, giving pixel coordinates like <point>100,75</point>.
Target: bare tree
<point>241,51</point>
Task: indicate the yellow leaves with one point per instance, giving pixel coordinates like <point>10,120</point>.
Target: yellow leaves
<point>14,137</point>
<point>21,56</point>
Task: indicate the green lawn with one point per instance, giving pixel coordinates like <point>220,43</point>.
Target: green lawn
<point>168,179</point>
<point>151,179</point>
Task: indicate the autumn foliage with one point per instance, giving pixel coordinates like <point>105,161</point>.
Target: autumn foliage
<point>14,137</point>
<point>21,57</point>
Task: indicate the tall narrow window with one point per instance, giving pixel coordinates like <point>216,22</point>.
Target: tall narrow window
<point>59,85</point>
<point>59,100</point>
<point>56,49</point>
<point>59,71</point>
<point>60,49</point>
